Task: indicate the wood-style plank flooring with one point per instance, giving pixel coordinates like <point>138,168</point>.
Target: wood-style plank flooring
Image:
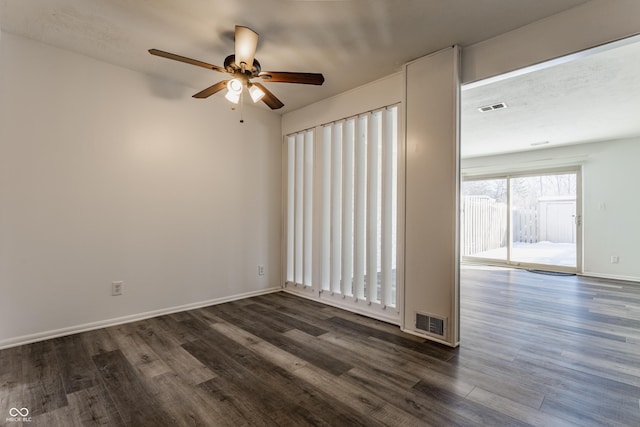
<point>536,350</point>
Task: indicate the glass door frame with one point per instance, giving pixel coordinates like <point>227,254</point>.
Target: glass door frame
<point>577,170</point>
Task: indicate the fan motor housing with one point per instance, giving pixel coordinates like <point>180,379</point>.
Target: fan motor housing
<point>233,68</point>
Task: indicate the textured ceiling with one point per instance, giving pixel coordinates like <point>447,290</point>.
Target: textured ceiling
<point>351,42</point>
<point>592,98</point>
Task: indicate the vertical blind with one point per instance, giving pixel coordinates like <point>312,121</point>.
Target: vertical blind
<point>342,181</point>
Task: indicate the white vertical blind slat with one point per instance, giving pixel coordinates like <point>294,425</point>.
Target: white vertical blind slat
<point>393,129</point>
<point>299,210</point>
<point>308,208</point>
<point>372,209</point>
<point>336,207</point>
<point>360,130</point>
<point>291,168</point>
<point>387,197</point>
<point>347,207</point>
<point>325,239</point>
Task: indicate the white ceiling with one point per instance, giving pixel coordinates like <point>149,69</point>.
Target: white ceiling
<point>351,42</point>
<point>595,97</point>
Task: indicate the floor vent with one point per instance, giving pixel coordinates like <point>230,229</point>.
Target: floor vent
<point>430,324</point>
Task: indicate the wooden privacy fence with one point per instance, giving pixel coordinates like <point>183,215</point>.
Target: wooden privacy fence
<point>483,224</point>
<point>526,225</point>
<point>551,219</point>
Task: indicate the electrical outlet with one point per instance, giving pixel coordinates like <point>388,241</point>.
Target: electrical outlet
<point>615,259</point>
<point>261,270</point>
<point>116,288</point>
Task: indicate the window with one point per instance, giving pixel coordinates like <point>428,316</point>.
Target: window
<point>346,244</point>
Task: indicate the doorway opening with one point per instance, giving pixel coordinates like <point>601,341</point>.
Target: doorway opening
<point>530,129</point>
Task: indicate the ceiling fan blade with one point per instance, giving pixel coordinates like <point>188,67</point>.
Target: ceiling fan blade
<point>246,44</point>
<point>285,77</point>
<point>175,57</point>
<point>269,98</point>
<point>211,90</point>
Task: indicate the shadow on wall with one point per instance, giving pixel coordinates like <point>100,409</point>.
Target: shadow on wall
<point>166,89</point>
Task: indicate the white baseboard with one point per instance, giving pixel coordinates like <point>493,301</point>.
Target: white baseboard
<point>42,336</point>
<point>346,307</point>
<point>430,338</point>
<point>610,276</point>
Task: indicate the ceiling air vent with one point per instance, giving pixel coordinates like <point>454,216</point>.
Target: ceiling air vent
<point>430,324</point>
<point>492,107</point>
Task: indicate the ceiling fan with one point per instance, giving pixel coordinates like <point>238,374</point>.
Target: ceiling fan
<point>243,67</point>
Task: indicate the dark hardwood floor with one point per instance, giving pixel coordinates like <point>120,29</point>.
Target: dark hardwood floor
<point>536,350</point>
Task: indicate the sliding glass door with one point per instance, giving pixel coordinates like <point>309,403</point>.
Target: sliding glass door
<point>527,220</point>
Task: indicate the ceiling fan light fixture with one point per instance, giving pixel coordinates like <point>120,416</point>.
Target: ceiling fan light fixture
<point>235,86</point>
<point>234,89</point>
<point>233,97</point>
<point>256,93</point>
<point>243,66</point>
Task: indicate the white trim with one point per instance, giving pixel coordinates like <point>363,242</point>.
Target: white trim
<point>508,172</point>
<point>55,333</point>
<point>565,33</point>
<point>431,338</point>
<point>349,306</point>
<point>353,102</point>
<point>402,204</point>
<point>292,287</point>
<point>284,213</point>
<point>454,324</point>
<point>610,276</point>
<point>539,66</point>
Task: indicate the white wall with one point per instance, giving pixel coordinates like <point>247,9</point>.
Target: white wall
<point>582,27</point>
<point>611,203</point>
<point>108,174</point>
<point>432,191</point>
<point>610,178</point>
